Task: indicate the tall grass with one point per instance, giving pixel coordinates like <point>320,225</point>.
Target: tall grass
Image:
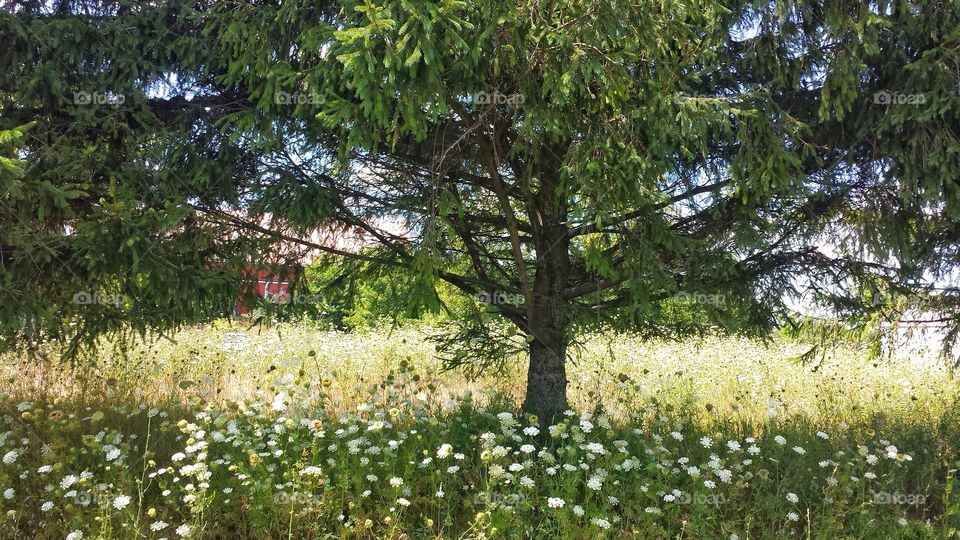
<point>297,432</point>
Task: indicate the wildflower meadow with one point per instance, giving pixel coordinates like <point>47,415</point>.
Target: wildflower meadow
<point>301,432</point>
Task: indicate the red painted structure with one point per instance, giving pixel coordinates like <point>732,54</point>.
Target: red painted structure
<point>262,280</point>
<point>264,283</point>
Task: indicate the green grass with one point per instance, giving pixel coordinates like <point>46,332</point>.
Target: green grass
<point>288,435</point>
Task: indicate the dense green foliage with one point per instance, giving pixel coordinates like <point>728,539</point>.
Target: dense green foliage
<point>665,167</point>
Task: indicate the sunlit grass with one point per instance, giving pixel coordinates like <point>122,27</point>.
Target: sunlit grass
<point>204,416</point>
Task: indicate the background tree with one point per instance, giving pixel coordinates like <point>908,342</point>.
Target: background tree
<point>668,168</point>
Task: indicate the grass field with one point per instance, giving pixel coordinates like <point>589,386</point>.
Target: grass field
<point>299,432</point>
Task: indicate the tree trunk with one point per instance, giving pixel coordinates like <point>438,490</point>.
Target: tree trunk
<point>548,316</point>
<point>547,374</point>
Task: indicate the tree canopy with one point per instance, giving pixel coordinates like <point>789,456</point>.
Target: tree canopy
<point>665,167</point>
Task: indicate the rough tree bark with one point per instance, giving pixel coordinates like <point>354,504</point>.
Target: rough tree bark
<point>548,317</point>
<point>547,375</point>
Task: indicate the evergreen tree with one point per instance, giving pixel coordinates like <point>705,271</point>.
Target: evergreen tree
<point>666,167</point>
